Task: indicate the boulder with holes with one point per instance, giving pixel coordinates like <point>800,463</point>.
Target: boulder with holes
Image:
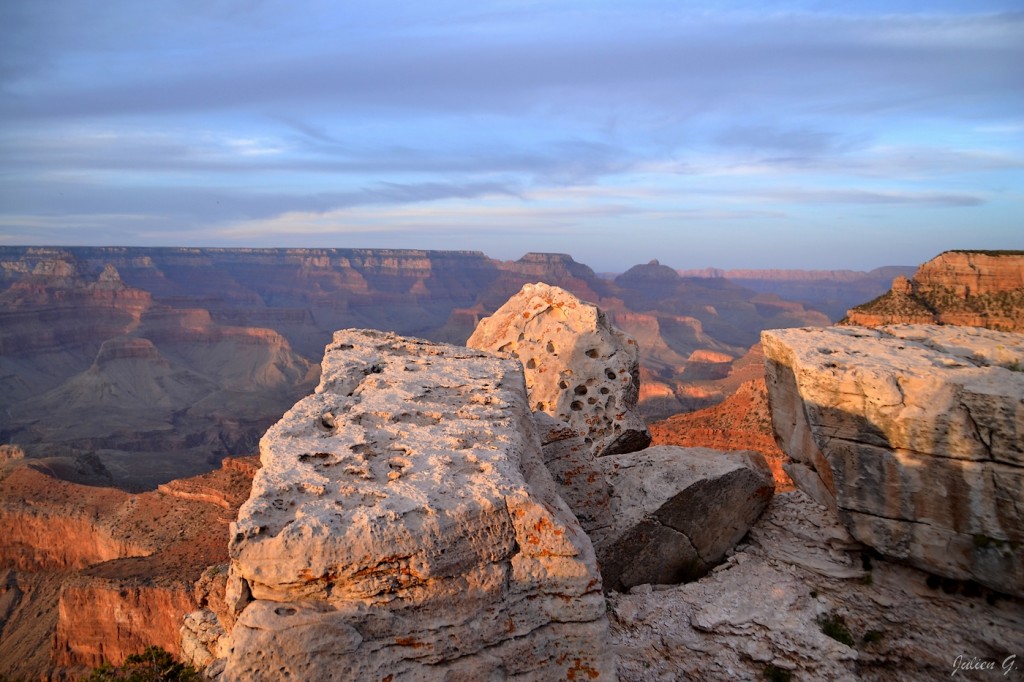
<point>579,368</point>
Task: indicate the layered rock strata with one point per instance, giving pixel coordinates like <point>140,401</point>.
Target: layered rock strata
<point>579,369</point>
<point>915,435</point>
<point>403,526</point>
<point>677,511</point>
<point>969,288</point>
<point>95,574</point>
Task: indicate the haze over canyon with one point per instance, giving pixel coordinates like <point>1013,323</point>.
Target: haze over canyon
<point>173,358</point>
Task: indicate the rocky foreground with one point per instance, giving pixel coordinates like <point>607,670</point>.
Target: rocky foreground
<point>800,597</point>
<point>406,522</point>
<point>914,435</point>
<point>417,472</point>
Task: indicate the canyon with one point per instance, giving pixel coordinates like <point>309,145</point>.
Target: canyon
<point>174,357</point>
<point>833,292</point>
<point>92,572</point>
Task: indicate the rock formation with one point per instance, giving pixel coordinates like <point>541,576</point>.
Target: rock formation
<point>661,515</point>
<point>968,288</point>
<point>579,369</point>
<point>915,434</point>
<point>581,482</point>
<point>676,511</point>
<point>403,526</point>
<point>782,601</point>
<point>741,422</point>
<point>90,574</point>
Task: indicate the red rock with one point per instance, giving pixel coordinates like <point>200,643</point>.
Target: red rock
<point>964,288</point>
<point>120,567</point>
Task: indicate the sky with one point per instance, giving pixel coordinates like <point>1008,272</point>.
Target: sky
<point>803,134</point>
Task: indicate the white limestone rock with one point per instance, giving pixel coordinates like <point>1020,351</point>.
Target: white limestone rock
<point>579,369</point>
<point>915,434</point>
<point>677,511</point>
<point>578,475</point>
<point>762,613</point>
<point>403,526</point>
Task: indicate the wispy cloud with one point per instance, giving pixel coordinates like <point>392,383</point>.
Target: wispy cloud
<point>234,118</point>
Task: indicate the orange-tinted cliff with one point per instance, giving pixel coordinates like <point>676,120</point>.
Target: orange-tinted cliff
<point>967,288</point>
<point>740,422</point>
<point>91,574</point>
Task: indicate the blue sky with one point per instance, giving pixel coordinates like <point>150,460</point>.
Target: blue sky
<point>729,134</point>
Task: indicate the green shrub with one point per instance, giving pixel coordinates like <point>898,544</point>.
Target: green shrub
<point>834,626</point>
<point>152,665</point>
<point>873,636</point>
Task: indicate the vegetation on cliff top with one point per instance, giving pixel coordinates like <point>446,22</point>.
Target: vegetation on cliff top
<point>984,252</point>
<point>152,665</point>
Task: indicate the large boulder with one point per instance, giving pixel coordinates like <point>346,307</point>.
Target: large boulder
<point>915,435</point>
<point>403,526</point>
<point>677,511</point>
<point>579,369</point>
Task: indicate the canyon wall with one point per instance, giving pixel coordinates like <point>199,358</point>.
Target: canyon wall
<point>831,291</point>
<point>93,574</point>
<point>105,621</point>
<point>176,357</point>
<point>967,288</point>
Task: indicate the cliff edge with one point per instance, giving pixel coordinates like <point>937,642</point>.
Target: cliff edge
<point>966,288</point>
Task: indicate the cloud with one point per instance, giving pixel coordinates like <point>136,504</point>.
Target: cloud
<point>663,61</point>
<point>179,119</point>
<point>868,197</point>
<point>200,206</point>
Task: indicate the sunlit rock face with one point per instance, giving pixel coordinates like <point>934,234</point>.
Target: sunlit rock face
<point>915,434</point>
<point>579,369</point>
<point>971,288</point>
<point>404,525</point>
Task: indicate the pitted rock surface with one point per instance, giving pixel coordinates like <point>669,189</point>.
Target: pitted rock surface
<point>579,369</point>
<point>403,524</point>
<point>915,434</point>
